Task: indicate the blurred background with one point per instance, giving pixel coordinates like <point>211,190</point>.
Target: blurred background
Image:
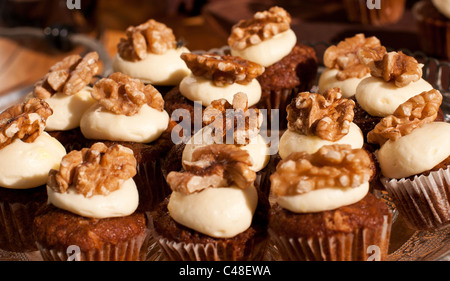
<point>34,34</point>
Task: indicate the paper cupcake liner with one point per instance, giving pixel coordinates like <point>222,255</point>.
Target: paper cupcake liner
<point>424,201</point>
<point>361,245</point>
<point>217,251</point>
<point>390,11</point>
<point>133,250</point>
<point>151,184</point>
<point>434,33</point>
<point>277,99</point>
<point>16,220</point>
<point>255,249</point>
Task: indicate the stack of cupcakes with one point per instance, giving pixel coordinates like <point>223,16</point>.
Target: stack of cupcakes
<point>215,212</point>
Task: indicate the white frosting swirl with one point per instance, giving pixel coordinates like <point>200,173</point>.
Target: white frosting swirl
<point>380,98</point>
<point>323,199</point>
<point>419,151</point>
<point>220,212</point>
<point>68,109</point>
<point>269,51</point>
<point>144,127</point>
<point>291,141</point>
<point>443,6</point>
<point>348,86</point>
<point>26,165</point>
<point>257,148</point>
<point>197,88</point>
<point>157,69</point>
<point>119,203</point>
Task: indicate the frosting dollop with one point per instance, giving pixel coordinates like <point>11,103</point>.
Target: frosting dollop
<point>419,151</point>
<point>26,165</point>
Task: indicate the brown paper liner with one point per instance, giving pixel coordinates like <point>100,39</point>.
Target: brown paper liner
<point>217,251</point>
<point>17,210</point>
<point>16,220</point>
<point>433,29</point>
<point>133,250</point>
<point>390,12</point>
<point>360,245</point>
<point>424,201</point>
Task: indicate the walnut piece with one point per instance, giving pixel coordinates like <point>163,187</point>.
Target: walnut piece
<point>223,70</point>
<point>393,67</point>
<point>149,37</point>
<point>327,116</point>
<point>121,94</point>
<point>343,56</point>
<point>98,170</point>
<point>68,76</point>
<point>225,117</point>
<point>412,114</point>
<point>335,165</point>
<point>216,165</point>
<point>24,121</point>
<point>262,26</point>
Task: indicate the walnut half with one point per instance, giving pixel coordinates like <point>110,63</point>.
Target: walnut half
<point>343,56</point>
<point>327,116</point>
<point>24,121</point>
<point>148,37</point>
<point>262,26</point>
<point>68,76</point>
<point>393,67</point>
<point>121,94</point>
<point>97,170</point>
<point>216,165</point>
<point>412,114</point>
<point>331,166</point>
<point>224,117</point>
<point>223,70</point>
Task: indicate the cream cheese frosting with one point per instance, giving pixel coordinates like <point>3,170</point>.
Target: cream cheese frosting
<point>291,141</point>
<point>68,109</point>
<point>157,69</point>
<point>269,51</point>
<point>323,199</point>
<point>419,151</point>
<point>119,203</point>
<point>201,89</point>
<point>221,212</point>
<point>348,86</point>
<point>380,98</point>
<point>258,149</point>
<point>443,6</point>
<point>26,165</point>
<point>144,127</point>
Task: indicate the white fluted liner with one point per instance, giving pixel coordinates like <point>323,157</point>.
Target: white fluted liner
<point>132,250</point>
<point>424,201</point>
<point>353,246</point>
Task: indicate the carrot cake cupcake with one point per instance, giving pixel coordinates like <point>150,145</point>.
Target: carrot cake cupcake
<point>151,53</point>
<point>322,208</point>
<point>28,153</point>
<point>414,158</point>
<point>212,213</point>
<point>92,202</point>
<point>290,67</point>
